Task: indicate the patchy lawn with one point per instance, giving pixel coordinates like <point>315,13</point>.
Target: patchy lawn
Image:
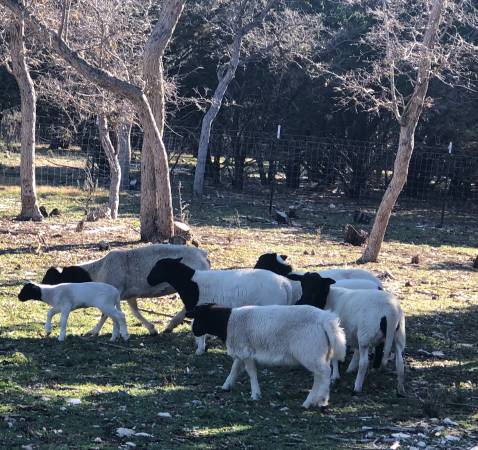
<point>76,394</point>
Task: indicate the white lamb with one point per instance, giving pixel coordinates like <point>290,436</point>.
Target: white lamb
<point>368,317</point>
<point>346,278</point>
<point>125,270</point>
<point>230,288</point>
<point>67,297</point>
<point>278,336</point>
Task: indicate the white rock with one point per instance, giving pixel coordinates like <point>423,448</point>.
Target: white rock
<point>438,354</point>
<point>124,432</point>
<point>413,448</point>
<point>395,445</point>
<point>27,447</point>
<point>74,401</point>
<point>130,444</point>
<point>421,444</point>
<point>98,440</point>
<point>451,438</point>
<point>143,434</point>
<point>284,409</point>
<point>448,421</point>
<point>332,206</point>
<point>401,436</point>
<point>164,415</point>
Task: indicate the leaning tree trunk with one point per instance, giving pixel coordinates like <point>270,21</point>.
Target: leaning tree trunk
<point>29,208</point>
<point>114,164</point>
<point>211,115</point>
<point>408,123</point>
<point>123,138</point>
<point>155,182</point>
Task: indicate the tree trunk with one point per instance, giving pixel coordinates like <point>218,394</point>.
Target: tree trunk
<point>123,134</point>
<point>29,205</point>
<point>408,123</point>
<point>113,161</point>
<point>211,115</point>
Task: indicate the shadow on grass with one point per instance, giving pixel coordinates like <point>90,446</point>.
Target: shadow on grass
<point>451,265</point>
<point>63,247</point>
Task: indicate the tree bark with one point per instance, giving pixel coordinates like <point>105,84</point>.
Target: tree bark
<point>113,161</point>
<point>29,205</point>
<point>156,212</point>
<point>408,123</point>
<point>211,115</point>
<point>123,138</point>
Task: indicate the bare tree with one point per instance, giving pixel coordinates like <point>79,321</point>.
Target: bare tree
<point>239,18</point>
<point>20,70</point>
<point>156,203</point>
<point>413,43</point>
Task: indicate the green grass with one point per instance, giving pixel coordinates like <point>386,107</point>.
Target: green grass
<point>128,384</point>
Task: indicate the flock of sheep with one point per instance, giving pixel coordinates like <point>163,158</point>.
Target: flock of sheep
<point>268,315</point>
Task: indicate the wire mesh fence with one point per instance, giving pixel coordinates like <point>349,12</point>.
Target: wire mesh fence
<point>252,165</point>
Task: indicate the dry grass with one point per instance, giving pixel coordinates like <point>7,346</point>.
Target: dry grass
<point>130,384</point>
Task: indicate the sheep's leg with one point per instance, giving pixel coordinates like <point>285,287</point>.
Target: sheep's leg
<point>363,366</point>
<point>319,394</point>
<point>115,333</point>
<point>252,372</point>
<point>201,344</point>
<point>49,317</point>
<point>175,321</point>
<point>335,370</point>
<point>236,369</point>
<point>133,304</point>
<point>96,330</point>
<point>400,369</point>
<point>354,362</point>
<point>63,321</point>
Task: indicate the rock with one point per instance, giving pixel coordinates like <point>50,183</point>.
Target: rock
<point>103,246</point>
<point>164,415</point>
<point>306,252</point>
<point>362,217</point>
<point>449,422</point>
<point>130,444</point>
<point>408,284</point>
<point>452,438</point>
<point>282,218</point>
<point>195,243</point>
<point>401,435</point>
<point>80,226</point>
<point>355,237</point>
<point>74,401</point>
<point>177,240</point>
<point>98,440</point>
<point>416,259</point>
<point>55,212</point>
<point>142,434</point>
<point>332,206</point>
<point>102,212</point>
<point>183,230</point>
<point>43,211</point>
<point>124,432</point>
<point>421,444</point>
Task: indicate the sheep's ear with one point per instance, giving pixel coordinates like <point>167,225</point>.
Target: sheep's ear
<point>284,257</point>
<point>295,277</point>
<point>329,281</point>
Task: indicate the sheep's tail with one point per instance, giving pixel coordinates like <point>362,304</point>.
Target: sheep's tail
<point>336,336</point>
<point>394,324</point>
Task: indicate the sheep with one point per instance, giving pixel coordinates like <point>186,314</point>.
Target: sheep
<point>125,269</point>
<point>346,278</point>
<point>230,288</point>
<point>275,335</point>
<point>368,318</point>
<point>67,297</point>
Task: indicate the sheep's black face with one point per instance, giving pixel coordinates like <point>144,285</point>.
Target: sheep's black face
<point>52,276</point>
<point>273,262</point>
<point>29,291</point>
<point>315,290</point>
<point>164,271</point>
<point>71,274</point>
<point>210,319</point>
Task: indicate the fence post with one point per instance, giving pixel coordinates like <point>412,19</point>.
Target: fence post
<point>447,186</point>
<point>272,181</point>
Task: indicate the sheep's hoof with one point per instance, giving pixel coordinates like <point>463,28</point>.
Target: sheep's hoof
<point>325,409</point>
<point>200,351</point>
<point>401,392</point>
<point>306,405</point>
<point>91,333</point>
<point>167,330</point>
<point>153,332</point>
<point>125,337</point>
<point>47,333</point>
<point>256,397</point>
<point>226,387</point>
<point>334,380</point>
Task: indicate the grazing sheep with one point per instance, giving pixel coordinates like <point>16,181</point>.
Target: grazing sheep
<point>275,335</point>
<point>67,297</point>
<point>230,288</point>
<point>368,318</point>
<point>125,270</point>
<point>346,278</point>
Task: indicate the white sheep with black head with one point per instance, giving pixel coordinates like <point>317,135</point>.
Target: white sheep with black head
<point>276,335</point>
<point>66,297</point>
<point>369,318</point>
<point>231,288</point>
<point>126,270</point>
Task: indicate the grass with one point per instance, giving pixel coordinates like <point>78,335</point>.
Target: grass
<point>129,384</point>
